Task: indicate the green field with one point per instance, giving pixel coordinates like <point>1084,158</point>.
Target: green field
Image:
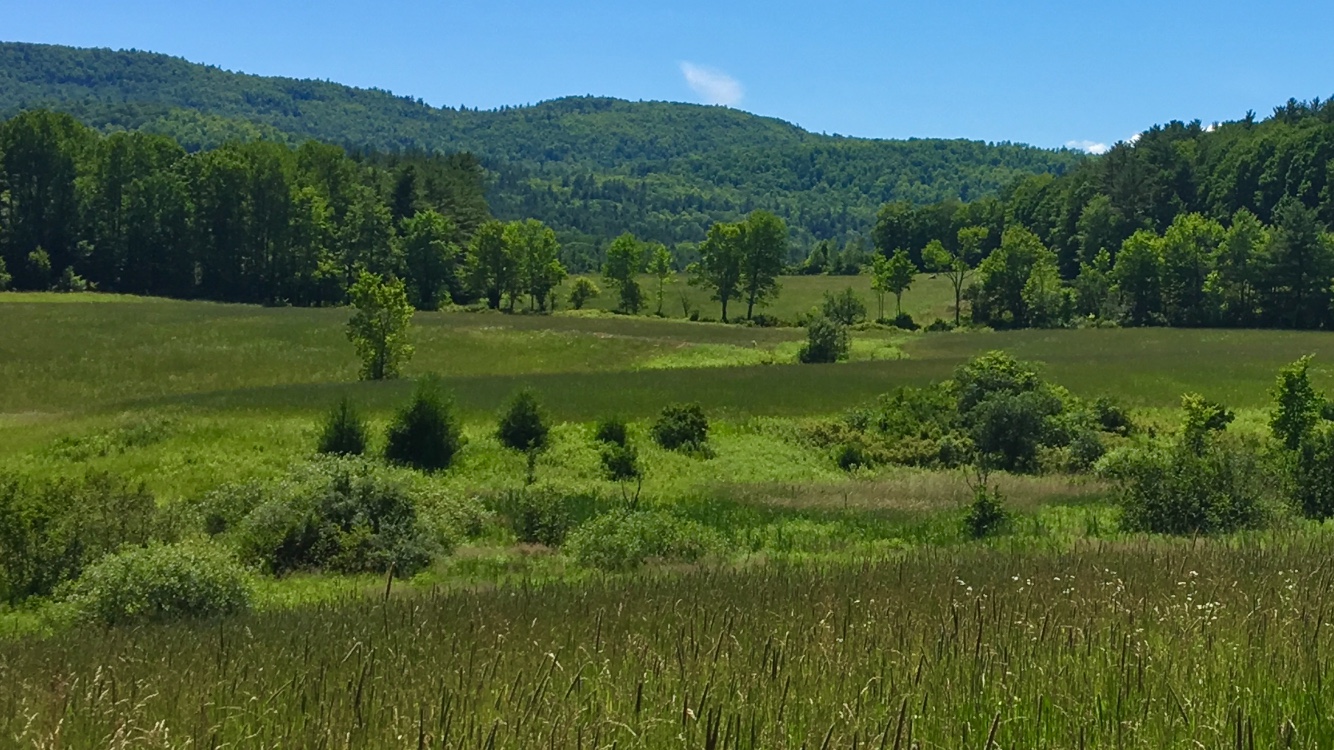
<point>848,613</point>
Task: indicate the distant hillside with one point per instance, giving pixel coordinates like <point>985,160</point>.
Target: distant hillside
<point>590,167</point>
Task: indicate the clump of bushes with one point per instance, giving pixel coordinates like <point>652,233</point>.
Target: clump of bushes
<point>51,530</point>
<point>425,434</point>
<point>827,341</point>
<point>162,582</point>
<point>681,427</point>
<point>625,540</point>
<point>344,431</point>
<point>537,516</point>
<point>1196,483</point>
<point>341,515</point>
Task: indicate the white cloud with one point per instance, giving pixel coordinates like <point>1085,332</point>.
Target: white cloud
<point>1091,147</point>
<point>713,86</point>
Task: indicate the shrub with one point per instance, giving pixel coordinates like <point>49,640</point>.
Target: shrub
<point>612,430</point>
<point>582,291</point>
<point>1312,485</point>
<point>905,321</point>
<point>523,428</point>
<point>1111,416</point>
<point>1086,449</point>
<point>625,540</point>
<point>845,307</point>
<point>70,281</point>
<point>5,278</point>
<point>1297,405</point>
<point>940,325</point>
<point>51,530</point>
<point>851,456</point>
<point>162,582</point>
<point>537,516</point>
<point>1177,489</point>
<point>827,341</point>
<point>993,374</point>
<point>344,432</point>
<point>620,464</point>
<point>681,427</point>
<point>340,514</point>
<point>1008,430</point>
<point>425,434</point>
<point>987,514</point>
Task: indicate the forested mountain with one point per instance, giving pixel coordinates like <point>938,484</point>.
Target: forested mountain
<point>590,167</point>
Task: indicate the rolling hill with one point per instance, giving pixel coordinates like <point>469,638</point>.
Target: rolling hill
<point>591,167</point>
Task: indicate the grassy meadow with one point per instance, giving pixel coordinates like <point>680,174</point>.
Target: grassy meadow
<point>849,612</point>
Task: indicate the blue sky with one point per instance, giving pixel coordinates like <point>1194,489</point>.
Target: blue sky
<point>1046,73</point>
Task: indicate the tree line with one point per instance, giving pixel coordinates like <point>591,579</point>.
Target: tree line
<point>1187,225</point>
<point>256,221</point>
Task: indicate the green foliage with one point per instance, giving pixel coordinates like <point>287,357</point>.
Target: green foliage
<point>160,583</point>
<point>425,434</point>
<point>536,253</point>
<point>660,267</point>
<point>681,427</point>
<point>620,464</point>
<point>1311,489</point>
<point>1177,489</point>
<point>987,514</point>
<point>51,530</point>
<point>763,258</point>
<point>993,374</point>
<point>894,276</point>
<point>845,307</point>
<point>432,260</point>
<point>612,430</point>
<point>342,515</point>
<point>625,260</point>
<point>827,341</point>
<point>344,431</point>
<point>379,327</point>
<point>5,278</point>
<point>624,540</point>
<point>1297,405</point>
<point>1200,419</point>
<point>591,168</point>
<point>537,516</point>
<point>721,262</point>
<point>582,291</point>
<point>1007,429</point>
<point>523,427</point>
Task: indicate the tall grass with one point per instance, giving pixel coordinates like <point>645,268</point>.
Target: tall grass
<point>1142,644</point>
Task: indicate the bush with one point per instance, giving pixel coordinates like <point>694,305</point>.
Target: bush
<point>162,582</point>
<point>1086,449</point>
<point>851,456</point>
<point>343,515</point>
<point>681,427</point>
<point>1008,430</point>
<point>845,307</point>
<point>827,341</point>
<point>625,540</point>
<point>940,325</point>
<point>1111,416</point>
<point>1177,489</point>
<point>905,321</point>
<point>1312,485</point>
<point>987,514</point>
<point>582,291</point>
<point>612,430</point>
<point>344,432</point>
<point>51,530</point>
<point>620,464</point>
<point>523,428</point>
<point>425,435</point>
<point>993,374</point>
<point>537,516</point>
